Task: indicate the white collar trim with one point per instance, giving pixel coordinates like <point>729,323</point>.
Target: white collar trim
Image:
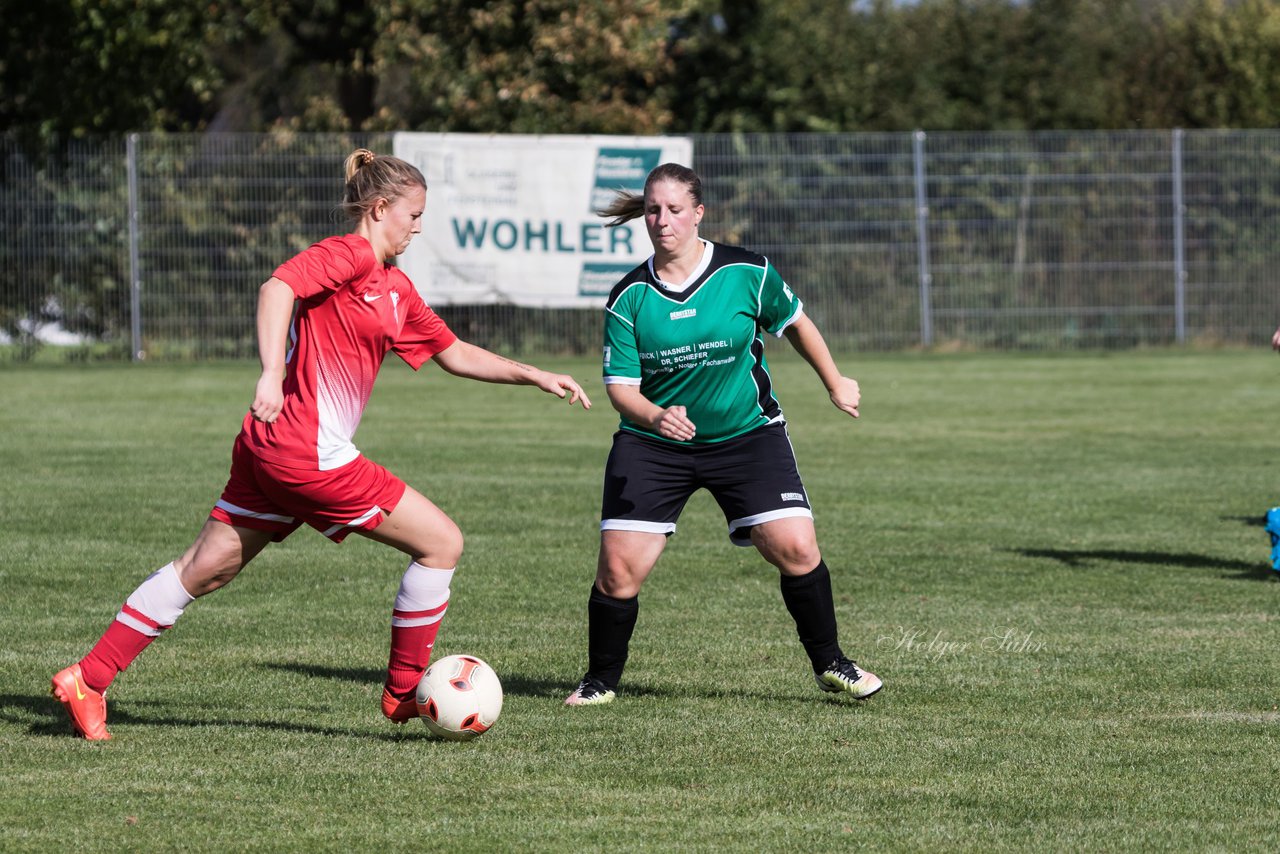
<point>707,251</point>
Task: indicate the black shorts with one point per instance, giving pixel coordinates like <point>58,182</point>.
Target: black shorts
<point>753,477</point>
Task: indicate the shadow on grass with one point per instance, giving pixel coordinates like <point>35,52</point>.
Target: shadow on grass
<point>1243,570</point>
<point>44,715</point>
<point>1251,521</point>
<point>338,674</point>
<point>51,720</point>
<point>513,685</point>
<point>518,685</point>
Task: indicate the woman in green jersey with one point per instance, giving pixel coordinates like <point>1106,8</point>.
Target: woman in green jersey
<point>684,366</point>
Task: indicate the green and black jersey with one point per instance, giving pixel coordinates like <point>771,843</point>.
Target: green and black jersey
<point>701,347</point>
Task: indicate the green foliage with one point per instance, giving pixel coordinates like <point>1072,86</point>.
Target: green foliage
<point>536,66</point>
<point>1058,570</point>
<point>79,67</point>
<point>65,253</point>
<point>774,66</point>
<point>1215,65</point>
<point>638,66</point>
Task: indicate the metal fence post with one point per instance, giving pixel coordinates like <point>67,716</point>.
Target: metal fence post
<point>1179,243</point>
<point>135,273</point>
<point>922,241</point>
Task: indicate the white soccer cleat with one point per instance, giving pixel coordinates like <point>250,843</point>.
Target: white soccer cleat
<point>590,693</point>
<point>843,676</point>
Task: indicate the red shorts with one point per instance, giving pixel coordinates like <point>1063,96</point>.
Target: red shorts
<point>269,497</point>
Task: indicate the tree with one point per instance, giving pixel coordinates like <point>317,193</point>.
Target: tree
<point>79,67</point>
<point>527,66</point>
<point>1215,65</point>
<point>758,66</point>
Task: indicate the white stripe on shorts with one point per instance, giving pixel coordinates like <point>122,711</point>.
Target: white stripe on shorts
<point>643,527</point>
<point>761,518</point>
<point>249,514</point>
<point>356,522</point>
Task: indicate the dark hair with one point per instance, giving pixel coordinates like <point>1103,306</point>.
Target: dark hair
<point>370,177</point>
<point>627,205</point>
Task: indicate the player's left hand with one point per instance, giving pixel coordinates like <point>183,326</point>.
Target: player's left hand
<point>563,385</point>
<point>846,395</point>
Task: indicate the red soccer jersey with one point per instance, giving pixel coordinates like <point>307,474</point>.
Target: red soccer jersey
<point>352,310</point>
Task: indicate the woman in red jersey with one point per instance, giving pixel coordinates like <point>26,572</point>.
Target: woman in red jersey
<point>326,320</point>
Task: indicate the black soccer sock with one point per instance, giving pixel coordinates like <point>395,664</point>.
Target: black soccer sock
<point>610,622</point>
<point>808,598</point>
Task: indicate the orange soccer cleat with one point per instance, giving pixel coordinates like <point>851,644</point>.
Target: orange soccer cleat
<point>398,709</point>
<point>86,707</point>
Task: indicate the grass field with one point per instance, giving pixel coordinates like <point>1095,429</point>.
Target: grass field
<point>1056,563</point>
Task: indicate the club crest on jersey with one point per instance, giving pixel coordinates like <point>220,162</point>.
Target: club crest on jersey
<point>680,315</point>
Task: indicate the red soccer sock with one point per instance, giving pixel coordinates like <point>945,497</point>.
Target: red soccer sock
<point>114,651</point>
<point>410,654</point>
<point>420,605</point>
<point>155,606</point>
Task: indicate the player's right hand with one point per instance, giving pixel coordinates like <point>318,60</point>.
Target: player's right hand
<point>674,423</point>
<point>847,395</point>
<point>268,399</point>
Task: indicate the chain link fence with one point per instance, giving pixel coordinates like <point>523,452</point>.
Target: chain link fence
<point>154,246</point>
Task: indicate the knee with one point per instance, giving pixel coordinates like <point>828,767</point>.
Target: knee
<point>617,577</point>
<point>793,555</point>
<point>445,549</point>
<point>618,588</point>
<point>207,570</point>
<point>625,561</point>
<point>455,547</point>
<point>611,570</point>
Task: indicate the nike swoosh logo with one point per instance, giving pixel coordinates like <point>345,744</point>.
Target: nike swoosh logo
<point>372,297</point>
<point>80,695</point>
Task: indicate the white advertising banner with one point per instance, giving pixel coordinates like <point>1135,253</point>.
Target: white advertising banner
<point>510,219</point>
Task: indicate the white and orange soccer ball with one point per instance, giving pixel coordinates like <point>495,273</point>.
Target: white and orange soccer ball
<point>459,697</point>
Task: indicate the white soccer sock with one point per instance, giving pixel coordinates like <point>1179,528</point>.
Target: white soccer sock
<point>423,590</point>
<point>157,603</point>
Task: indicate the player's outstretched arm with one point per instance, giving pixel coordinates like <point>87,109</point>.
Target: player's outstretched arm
<point>467,360</point>
<point>809,343</point>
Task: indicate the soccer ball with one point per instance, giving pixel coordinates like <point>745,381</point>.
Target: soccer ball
<point>459,697</point>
